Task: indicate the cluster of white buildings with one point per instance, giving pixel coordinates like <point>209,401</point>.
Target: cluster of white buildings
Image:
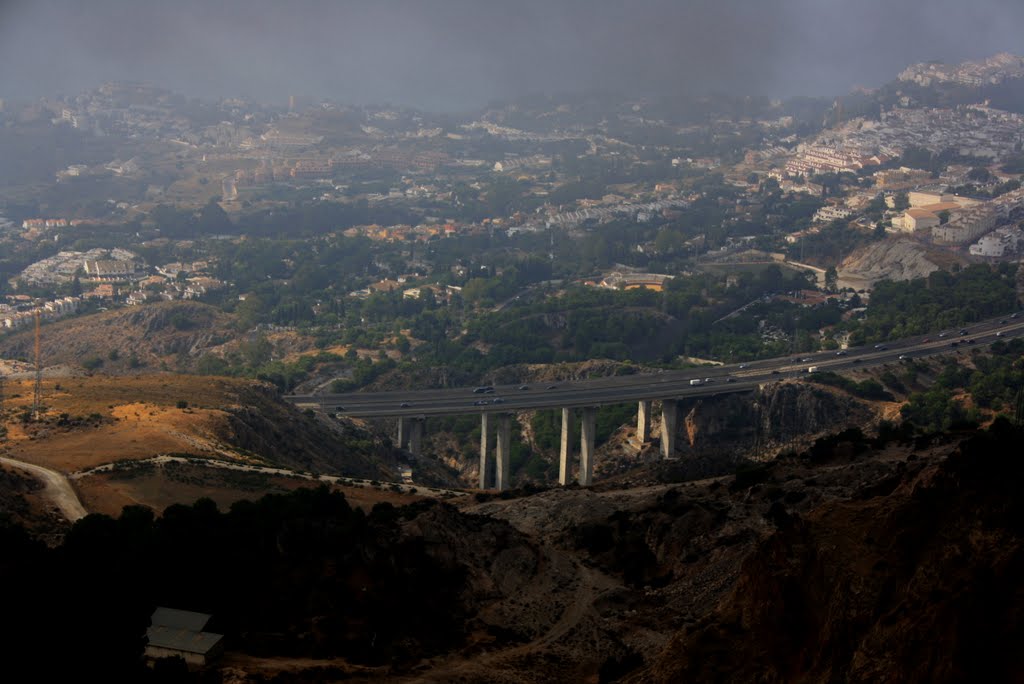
<point>813,159</point>
<point>11,320</point>
<point>999,243</point>
<point>902,178</point>
<point>516,163</point>
<point>832,213</point>
<point>571,218</point>
<point>951,220</point>
<point>994,70</point>
<point>97,264</point>
<point>973,130</point>
<point>965,226</point>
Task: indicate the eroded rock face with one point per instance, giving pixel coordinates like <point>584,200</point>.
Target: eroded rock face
<point>780,413</point>
<point>886,260</point>
<point>920,583</point>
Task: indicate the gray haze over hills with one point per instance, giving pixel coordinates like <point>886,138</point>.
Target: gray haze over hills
<point>455,54</point>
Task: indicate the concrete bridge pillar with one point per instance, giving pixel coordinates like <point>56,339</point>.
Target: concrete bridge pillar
<point>416,435</point>
<point>485,463</point>
<point>587,432</point>
<point>643,422</point>
<point>403,432</point>
<point>502,470</point>
<point>565,452</point>
<point>669,424</point>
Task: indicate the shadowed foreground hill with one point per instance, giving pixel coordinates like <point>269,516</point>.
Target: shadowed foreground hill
<point>894,559</point>
<point>921,583</point>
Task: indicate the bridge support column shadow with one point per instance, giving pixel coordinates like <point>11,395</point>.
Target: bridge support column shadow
<point>416,435</point>
<point>403,432</point>
<point>643,422</point>
<point>587,433</point>
<point>485,460</point>
<point>502,470</point>
<point>565,451</point>
<point>669,425</point>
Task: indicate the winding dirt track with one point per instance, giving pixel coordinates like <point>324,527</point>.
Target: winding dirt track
<point>56,488</point>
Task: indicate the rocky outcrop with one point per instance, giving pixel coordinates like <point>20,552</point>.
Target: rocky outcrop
<point>886,260</point>
<point>916,581</point>
<point>134,339</point>
<point>781,414</point>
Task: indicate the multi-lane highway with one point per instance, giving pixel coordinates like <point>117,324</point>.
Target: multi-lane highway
<point>662,385</point>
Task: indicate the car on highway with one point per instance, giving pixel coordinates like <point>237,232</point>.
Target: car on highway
<point>856,360</point>
<point>552,387</point>
<point>730,379</point>
<point>404,404</point>
<point>954,343</point>
<point>1014,315</point>
<point>903,357</point>
<point>963,332</point>
<point>498,400</point>
<point>841,352</point>
<point>524,387</point>
<point>999,333</point>
<point>742,366</point>
<point>942,334</point>
<point>708,381</point>
<point>775,371</point>
<point>970,341</point>
<point>481,402</point>
<point>479,390</point>
<point>1002,322</point>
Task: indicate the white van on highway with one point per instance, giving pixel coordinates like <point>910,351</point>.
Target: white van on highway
<point>696,381</point>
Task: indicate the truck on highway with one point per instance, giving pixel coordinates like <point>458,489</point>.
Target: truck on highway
<point>696,381</point>
<point>812,369</point>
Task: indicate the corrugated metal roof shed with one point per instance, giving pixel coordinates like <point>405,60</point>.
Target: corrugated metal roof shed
<point>182,639</point>
<point>179,619</point>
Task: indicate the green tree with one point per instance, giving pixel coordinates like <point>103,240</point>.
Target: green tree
<point>831,279</point>
<point>213,220</point>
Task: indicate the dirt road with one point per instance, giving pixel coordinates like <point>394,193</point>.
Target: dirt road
<point>57,488</point>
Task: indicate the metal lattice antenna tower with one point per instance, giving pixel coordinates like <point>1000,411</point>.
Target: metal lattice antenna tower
<point>37,392</point>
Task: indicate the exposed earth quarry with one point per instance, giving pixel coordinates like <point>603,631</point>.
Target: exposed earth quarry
<point>889,260</point>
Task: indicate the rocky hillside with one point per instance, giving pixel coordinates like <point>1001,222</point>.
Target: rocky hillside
<point>860,560</point>
<point>172,335</point>
<point>95,422</point>
<point>857,560</point>
<point>916,578</point>
<point>889,260</point>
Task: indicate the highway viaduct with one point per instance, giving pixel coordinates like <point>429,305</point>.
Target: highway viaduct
<point>497,405</point>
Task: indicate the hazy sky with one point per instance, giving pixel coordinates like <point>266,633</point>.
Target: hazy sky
<point>452,54</point>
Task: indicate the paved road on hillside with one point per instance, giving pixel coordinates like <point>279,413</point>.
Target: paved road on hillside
<point>56,488</point>
<point>662,385</point>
